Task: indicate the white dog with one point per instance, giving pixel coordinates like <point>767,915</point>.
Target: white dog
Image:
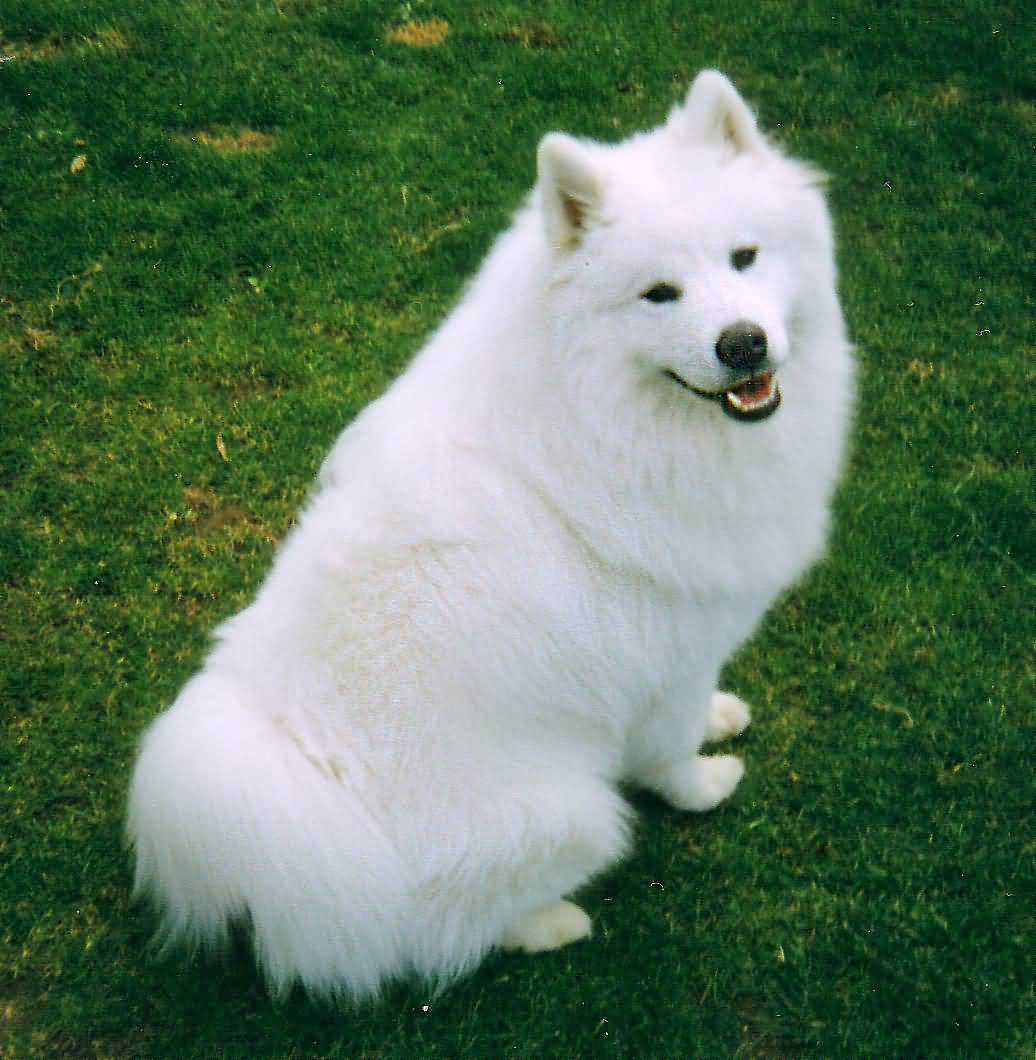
<point>519,576</point>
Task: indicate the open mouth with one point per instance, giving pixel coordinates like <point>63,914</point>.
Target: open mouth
<point>754,399</point>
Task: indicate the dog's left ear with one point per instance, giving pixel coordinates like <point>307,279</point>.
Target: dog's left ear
<point>715,114</point>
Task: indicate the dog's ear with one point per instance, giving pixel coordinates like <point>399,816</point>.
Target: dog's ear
<point>715,114</point>
<point>570,189</point>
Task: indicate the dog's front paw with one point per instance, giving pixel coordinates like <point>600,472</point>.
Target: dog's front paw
<point>728,716</point>
<point>702,782</point>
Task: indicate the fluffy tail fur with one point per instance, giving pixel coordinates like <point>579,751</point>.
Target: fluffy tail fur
<point>230,820</point>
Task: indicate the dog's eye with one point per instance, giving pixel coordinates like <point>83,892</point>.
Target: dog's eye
<point>743,257</point>
<point>662,292</point>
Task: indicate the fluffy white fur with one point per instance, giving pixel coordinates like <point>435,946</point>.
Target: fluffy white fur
<point>516,581</point>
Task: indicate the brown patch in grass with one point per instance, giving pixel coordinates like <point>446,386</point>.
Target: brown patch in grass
<point>758,1037</point>
<point>35,339</point>
<point>421,243</point>
<point>112,40</point>
<point>1024,110</point>
<point>232,142</point>
<point>211,512</point>
<point>207,513</point>
<point>535,36</point>
<point>248,388</point>
<point>39,338</point>
<point>425,34</point>
<point>949,96</point>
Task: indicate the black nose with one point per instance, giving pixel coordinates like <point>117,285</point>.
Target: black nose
<point>742,346</point>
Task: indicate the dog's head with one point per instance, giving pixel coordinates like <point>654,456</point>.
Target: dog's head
<point>690,253</point>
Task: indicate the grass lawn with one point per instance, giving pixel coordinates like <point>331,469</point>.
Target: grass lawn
<point>224,227</point>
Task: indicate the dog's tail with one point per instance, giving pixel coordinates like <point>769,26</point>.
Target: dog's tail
<point>231,821</point>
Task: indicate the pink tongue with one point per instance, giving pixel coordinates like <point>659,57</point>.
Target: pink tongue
<point>756,389</point>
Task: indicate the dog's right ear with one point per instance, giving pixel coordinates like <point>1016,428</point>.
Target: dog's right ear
<point>570,189</point>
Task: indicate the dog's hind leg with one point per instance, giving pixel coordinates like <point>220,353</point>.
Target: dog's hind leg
<point>548,928</point>
<point>526,847</point>
<point>727,716</point>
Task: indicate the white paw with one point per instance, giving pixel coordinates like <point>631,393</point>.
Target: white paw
<point>703,782</point>
<point>727,717</point>
<point>549,928</point>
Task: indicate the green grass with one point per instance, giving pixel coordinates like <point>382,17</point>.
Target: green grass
<point>186,325</point>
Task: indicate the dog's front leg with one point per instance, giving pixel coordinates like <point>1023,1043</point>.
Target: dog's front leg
<point>664,752</point>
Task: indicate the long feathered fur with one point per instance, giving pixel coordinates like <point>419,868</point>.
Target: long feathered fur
<point>516,581</point>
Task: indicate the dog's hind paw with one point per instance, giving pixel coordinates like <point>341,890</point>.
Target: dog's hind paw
<point>549,928</point>
<point>728,716</point>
